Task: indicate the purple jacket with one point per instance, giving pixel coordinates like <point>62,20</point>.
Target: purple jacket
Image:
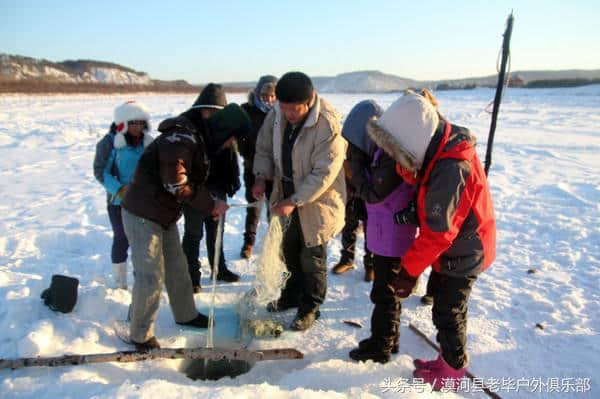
<point>384,236</point>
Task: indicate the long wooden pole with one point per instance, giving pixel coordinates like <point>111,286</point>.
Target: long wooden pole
<point>499,88</point>
<point>162,353</point>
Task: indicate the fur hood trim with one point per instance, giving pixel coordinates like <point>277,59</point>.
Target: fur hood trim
<point>121,142</point>
<point>386,141</point>
<point>130,111</point>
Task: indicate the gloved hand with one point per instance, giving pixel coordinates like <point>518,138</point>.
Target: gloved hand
<point>408,215</point>
<point>403,283</point>
<point>259,187</point>
<point>285,207</point>
<point>121,193</point>
<point>219,209</point>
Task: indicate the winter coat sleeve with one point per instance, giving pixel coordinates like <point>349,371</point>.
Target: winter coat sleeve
<point>446,203</point>
<point>175,159</point>
<point>111,183</point>
<point>246,147</point>
<point>263,158</point>
<point>326,159</point>
<point>358,163</point>
<point>103,151</point>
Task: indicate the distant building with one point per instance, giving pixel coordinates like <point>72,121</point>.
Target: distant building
<point>516,81</point>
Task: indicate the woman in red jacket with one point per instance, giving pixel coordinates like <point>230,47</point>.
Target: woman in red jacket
<point>455,214</point>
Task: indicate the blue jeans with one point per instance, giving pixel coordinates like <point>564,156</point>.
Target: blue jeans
<point>120,245</point>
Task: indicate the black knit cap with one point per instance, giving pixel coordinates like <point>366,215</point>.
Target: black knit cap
<point>294,87</point>
<point>212,96</point>
<point>229,121</point>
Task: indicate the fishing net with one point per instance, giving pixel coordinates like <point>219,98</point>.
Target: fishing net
<point>271,275</point>
<point>254,320</point>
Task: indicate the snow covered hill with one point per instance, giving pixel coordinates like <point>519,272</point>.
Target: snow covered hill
<point>363,82</point>
<point>546,186</point>
<point>24,68</point>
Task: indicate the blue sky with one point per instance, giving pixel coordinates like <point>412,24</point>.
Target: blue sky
<point>202,41</point>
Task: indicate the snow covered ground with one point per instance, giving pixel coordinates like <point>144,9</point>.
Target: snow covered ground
<point>546,186</point>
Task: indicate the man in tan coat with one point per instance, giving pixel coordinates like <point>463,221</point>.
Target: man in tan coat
<point>301,149</point>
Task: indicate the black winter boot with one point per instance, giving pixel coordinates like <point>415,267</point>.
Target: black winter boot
<point>227,276</point>
<point>200,321</point>
<point>304,320</point>
<point>375,351</point>
<point>369,342</point>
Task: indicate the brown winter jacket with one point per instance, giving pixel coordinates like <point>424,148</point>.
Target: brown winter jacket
<point>317,158</point>
<point>172,171</point>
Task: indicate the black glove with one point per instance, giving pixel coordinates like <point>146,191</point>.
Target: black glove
<point>408,215</point>
<point>403,283</point>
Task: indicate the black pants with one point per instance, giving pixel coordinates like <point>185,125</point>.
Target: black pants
<point>385,320</point>
<point>449,313</point>
<point>355,213</point>
<point>429,289</point>
<point>253,214</point>
<point>118,252</point>
<point>193,232</point>
<point>307,285</point>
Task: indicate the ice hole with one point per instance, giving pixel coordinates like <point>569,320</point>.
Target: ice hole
<point>227,335</point>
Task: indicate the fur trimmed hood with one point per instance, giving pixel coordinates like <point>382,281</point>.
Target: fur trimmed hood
<point>405,130</point>
<point>121,142</point>
<point>124,113</point>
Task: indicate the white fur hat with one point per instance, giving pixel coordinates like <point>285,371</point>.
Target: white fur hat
<point>405,129</point>
<point>130,111</point>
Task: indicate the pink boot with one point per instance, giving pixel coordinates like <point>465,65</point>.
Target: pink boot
<point>427,364</point>
<point>443,376</point>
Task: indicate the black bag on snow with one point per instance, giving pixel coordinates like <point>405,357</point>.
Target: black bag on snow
<point>62,293</point>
